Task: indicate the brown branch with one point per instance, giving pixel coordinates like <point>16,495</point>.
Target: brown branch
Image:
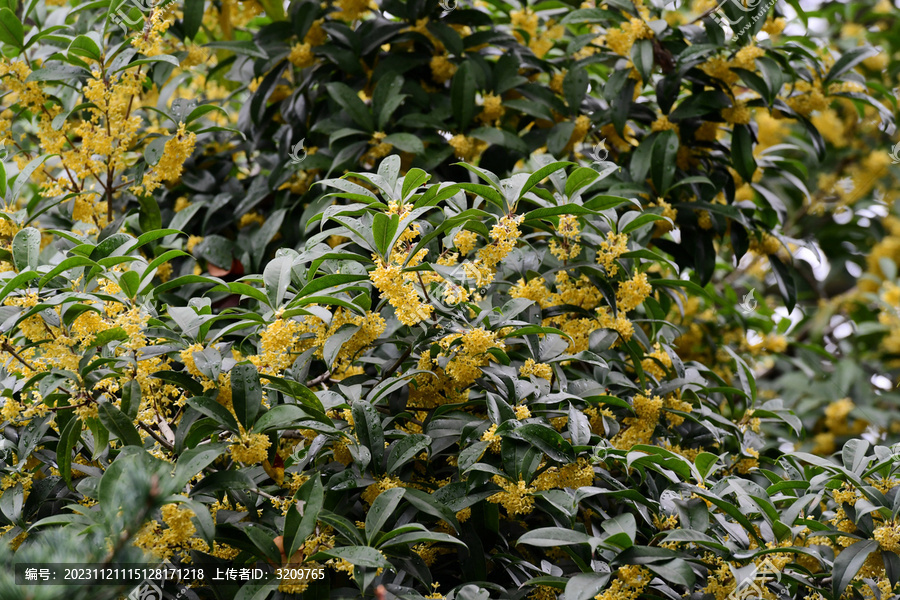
<point>155,436</point>
<point>319,379</point>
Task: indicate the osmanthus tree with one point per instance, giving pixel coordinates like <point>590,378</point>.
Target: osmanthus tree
<point>463,364</point>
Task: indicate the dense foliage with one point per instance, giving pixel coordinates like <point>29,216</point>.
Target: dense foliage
<point>466,301</point>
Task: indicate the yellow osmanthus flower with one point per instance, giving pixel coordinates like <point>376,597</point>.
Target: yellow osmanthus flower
<point>621,39</point>
<point>150,42</point>
<point>662,123</point>
<point>492,109</point>
<point>382,485</point>
<point>399,291</point>
<point>197,55</point>
<point>504,234</point>
<point>177,535</point>
<point>633,292</point>
<point>639,429</point>
<point>769,244</point>
<point>570,234</point>
<point>470,354</point>
<point>171,164</point>
<point>465,241</point>
<point>774,26</point>
<point>490,435</point>
<point>467,148</point>
<point>616,245</point>
<point>737,114</point>
<point>515,498</point>
<point>251,448</point>
<point>573,475</point>
<point>351,10</point>
<point>652,367</point>
<point>442,70</point>
<point>807,97</point>
<point>379,148</point>
<point>542,370</point>
<point>301,55</point>
<point>630,581</point>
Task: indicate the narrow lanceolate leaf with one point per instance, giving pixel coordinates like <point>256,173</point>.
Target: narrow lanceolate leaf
<point>246,393</point>
<point>26,247</point>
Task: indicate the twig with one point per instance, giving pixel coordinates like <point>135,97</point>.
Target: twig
<point>396,365</point>
<point>263,494</point>
<point>155,436</point>
<point>319,379</point>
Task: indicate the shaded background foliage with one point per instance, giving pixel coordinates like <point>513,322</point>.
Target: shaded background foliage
<point>334,283</point>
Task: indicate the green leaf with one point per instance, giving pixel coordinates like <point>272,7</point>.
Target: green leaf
<point>298,391</point>
<point>412,181</point>
<point>193,17</point>
<point>848,563</point>
<point>417,537</point>
<point>665,151</point>
<point>847,61</point>
<point>547,440</point>
<point>193,460</point>
<point>243,47</point>
<point>381,510</point>
<point>548,537</point>
<point>360,556</point>
<point>350,102</point>
<point>298,526</point>
<point>785,279</point>
<point>246,393</point>
<point>214,410</point>
<point>118,424</point>
<point>641,220</point>
<point>854,455</point>
<point>369,432</point>
<point>642,58</point>
<point>541,174</point>
<point>405,449</point>
<point>131,398</point>
<point>462,95</point>
<point>406,142</point>
<point>742,152</point>
<point>383,229</point>
<point>387,97</point>
<point>283,416</point>
<point>26,247</point>
<point>693,514</point>
<point>108,335</point>
<point>150,217</point>
<point>83,45</point>
<point>277,277</point>
<point>586,586</point>
<point>575,86</point>
<point>676,571</point>
<point>580,178</point>
<point>67,440</point>
<point>11,30</point>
